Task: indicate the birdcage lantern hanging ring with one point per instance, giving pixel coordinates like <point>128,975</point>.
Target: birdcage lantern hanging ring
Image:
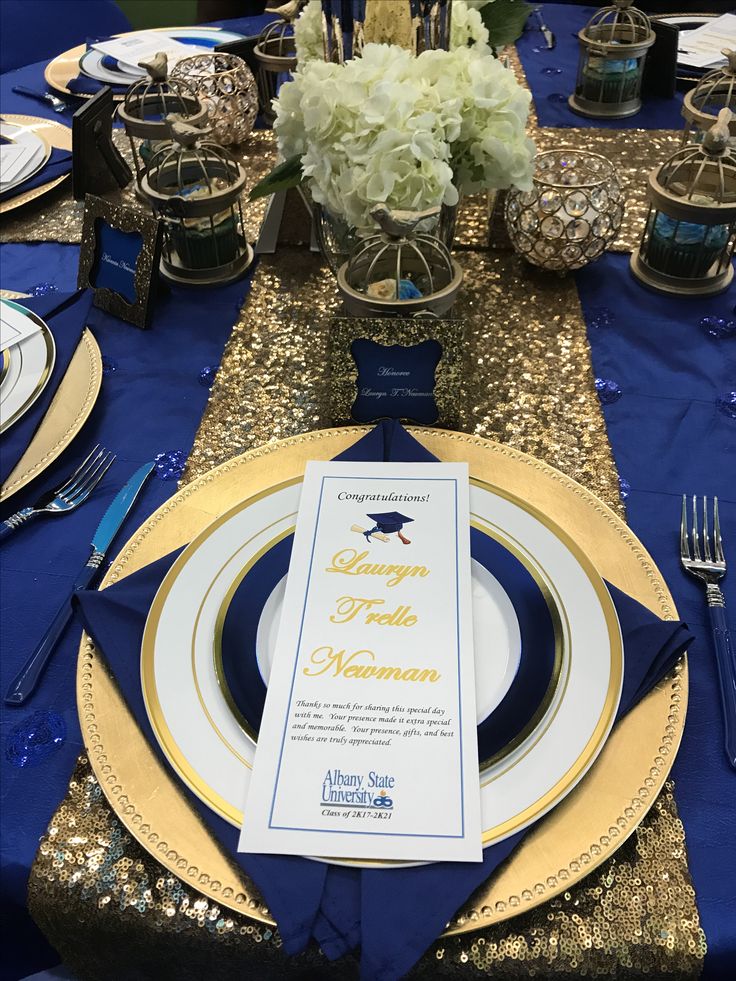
<point>613,48</point>
<point>715,91</point>
<point>195,186</point>
<point>146,105</point>
<point>690,232</point>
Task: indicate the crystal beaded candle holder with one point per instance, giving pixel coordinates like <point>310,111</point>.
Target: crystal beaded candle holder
<point>572,213</point>
<point>227,90</point>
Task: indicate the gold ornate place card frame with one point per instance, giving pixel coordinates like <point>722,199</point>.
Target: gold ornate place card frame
<point>376,364</point>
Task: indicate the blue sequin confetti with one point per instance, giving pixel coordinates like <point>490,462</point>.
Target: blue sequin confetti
<point>551,71</point>
<point>170,465</point>
<point>109,366</point>
<point>726,404</point>
<point>608,390</point>
<point>558,97</point>
<point>34,739</point>
<point>718,327</point>
<point>601,317</point>
<point>207,375</point>
<point>42,289</point>
<point>624,487</point>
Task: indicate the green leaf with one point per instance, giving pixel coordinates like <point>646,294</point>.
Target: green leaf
<point>505,20</point>
<point>282,177</point>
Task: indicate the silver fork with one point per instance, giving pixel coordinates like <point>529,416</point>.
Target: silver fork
<point>710,567</point>
<point>68,495</point>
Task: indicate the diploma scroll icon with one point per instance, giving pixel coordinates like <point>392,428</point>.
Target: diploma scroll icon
<point>387,523</point>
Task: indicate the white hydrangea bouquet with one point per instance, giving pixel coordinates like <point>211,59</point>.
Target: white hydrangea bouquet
<point>388,128</point>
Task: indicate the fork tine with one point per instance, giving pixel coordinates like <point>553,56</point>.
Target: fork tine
<point>684,548</point>
<point>706,538</point>
<point>70,491</point>
<point>71,479</point>
<point>92,479</point>
<point>696,543</point>
<point>718,542</point>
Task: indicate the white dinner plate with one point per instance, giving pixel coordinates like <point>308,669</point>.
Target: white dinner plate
<point>200,735</point>
<point>40,151</point>
<point>27,367</point>
<point>90,63</point>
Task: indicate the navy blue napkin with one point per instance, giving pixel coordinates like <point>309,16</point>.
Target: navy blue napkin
<point>66,316</point>
<point>340,907</point>
<point>82,84</point>
<point>58,165</point>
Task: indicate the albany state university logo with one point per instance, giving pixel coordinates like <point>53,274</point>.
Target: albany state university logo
<point>341,789</point>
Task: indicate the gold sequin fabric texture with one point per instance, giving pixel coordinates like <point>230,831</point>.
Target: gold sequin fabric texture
<point>106,904</point>
<point>58,217</point>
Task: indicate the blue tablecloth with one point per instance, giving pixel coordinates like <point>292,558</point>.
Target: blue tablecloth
<point>151,401</point>
<point>672,425</point>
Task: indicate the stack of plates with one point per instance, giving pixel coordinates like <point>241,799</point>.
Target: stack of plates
<point>26,366</point>
<point>22,154</point>
<point>105,69</point>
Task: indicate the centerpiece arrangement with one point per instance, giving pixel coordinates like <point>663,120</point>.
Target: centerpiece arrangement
<point>394,130</point>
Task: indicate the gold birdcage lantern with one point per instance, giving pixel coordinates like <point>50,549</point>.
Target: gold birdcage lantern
<point>688,239</point>
<point>146,105</point>
<point>275,52</point>
<point>613,47</point>
<point>715,91</point>
<point>227,89</point>
<point>194,186</point>
<point>399,271</point>
<point>417,25</point>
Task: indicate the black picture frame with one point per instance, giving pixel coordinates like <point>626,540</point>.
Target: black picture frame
<point>97,164</point>
<point>120,250</point>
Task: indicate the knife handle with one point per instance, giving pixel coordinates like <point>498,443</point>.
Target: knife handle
<point>25,682</point>
<point>726,662</point>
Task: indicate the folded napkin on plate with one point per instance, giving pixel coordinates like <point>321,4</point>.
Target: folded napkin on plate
<point>82,84</point>
<point>66,316</point>
<point>58,165</point>
<point>393,914</point>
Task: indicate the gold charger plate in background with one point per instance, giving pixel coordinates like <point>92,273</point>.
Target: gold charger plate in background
<point>69,409</point>
<point>54,133</point>
<point>573,839</point>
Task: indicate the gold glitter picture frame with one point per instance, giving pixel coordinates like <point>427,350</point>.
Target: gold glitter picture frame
<point>102,217</point>
<point>449,376</point>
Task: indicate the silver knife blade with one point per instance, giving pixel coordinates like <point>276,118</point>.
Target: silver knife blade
<point>118,510</point>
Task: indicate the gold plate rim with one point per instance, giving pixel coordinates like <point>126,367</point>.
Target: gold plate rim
<point>77,394</point>
<point>141,791</point>
<point>59,136</point>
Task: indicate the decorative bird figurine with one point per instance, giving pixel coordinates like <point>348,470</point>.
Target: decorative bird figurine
<point>288,10</point>
<point>717,138</point>
<point>184,133</point>
<point>399,224</point>
<point>157,67</point>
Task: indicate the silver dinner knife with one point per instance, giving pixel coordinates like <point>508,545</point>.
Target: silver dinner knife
<point>24,683</point>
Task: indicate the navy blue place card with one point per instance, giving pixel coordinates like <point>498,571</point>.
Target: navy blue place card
<point>119,259</point>
<point>409,370</point>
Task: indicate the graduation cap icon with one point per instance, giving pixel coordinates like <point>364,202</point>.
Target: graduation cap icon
<point>387,523</point>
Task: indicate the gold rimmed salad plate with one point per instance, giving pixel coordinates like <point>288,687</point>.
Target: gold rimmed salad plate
<point>580,833</point>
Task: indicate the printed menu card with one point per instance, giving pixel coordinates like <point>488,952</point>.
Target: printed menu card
<point>367,747</point>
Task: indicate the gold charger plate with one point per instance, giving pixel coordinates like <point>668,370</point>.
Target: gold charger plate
<point>582,831</point>
<point>69,409</point>
<point>57,135</point>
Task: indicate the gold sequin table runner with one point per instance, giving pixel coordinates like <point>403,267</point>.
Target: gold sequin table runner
<point>105,903</point>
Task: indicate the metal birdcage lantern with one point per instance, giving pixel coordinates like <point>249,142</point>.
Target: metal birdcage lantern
<point>146,105</point>
<point>227,89</point>
<point>399,271</point>
<point>417,25</point>
<point>194,186</point>
<point>275,52</point>
<point>613,47</point>
<point>688,240</point>
<point>715,91</point>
